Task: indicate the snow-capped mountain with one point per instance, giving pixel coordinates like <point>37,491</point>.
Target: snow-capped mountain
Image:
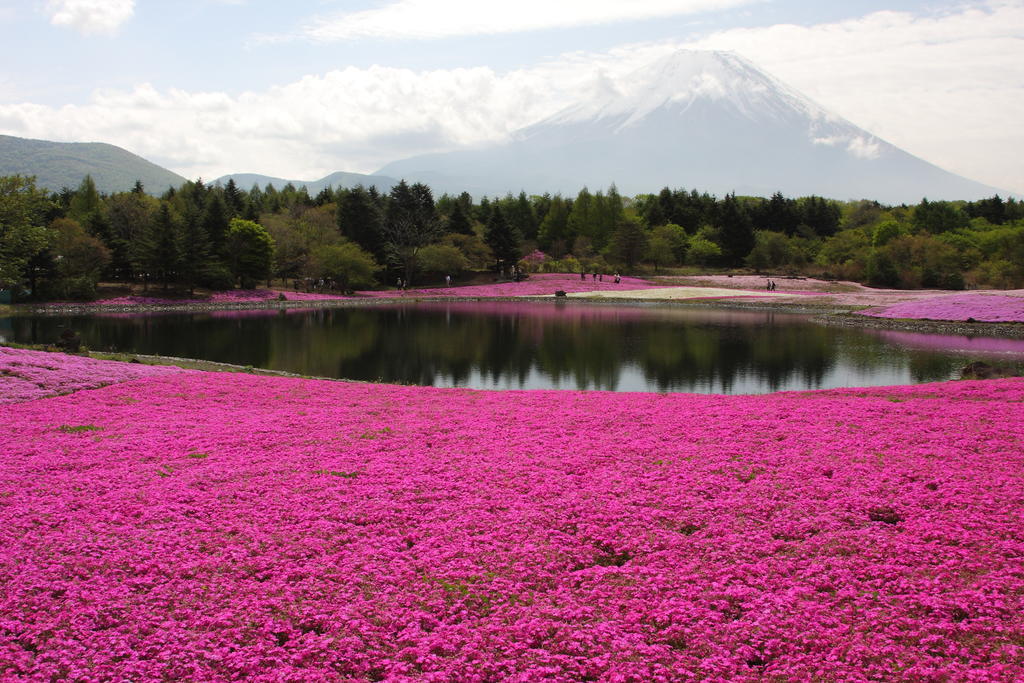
<point>705,120</point>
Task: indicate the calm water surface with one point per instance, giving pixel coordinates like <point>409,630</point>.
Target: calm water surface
<point>538,346</point>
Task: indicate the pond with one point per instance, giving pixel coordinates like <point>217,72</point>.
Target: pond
<point>512,345</point>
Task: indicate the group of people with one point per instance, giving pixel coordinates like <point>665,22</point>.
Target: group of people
<point>599,277</point>
<point>770,286</point>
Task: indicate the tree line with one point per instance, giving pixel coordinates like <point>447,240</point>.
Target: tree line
<point>60,245</point>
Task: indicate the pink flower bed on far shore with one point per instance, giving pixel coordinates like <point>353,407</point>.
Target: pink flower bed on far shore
<point>957,307</point>
<point>538,284</point>
<point>228,297</point>
<point>27,375</point>
<point>199,526</point>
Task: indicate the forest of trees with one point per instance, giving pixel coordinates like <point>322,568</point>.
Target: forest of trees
<point>61,245</point>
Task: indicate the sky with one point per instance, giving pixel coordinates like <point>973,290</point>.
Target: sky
<point>301,89</point>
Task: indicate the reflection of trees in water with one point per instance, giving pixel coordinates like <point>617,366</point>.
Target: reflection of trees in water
<point>934,367</point>
<point>581,347</point>
<point>240,340</point>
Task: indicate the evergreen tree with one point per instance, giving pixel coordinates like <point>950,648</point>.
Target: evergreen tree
<point>214,221</point>
<point>821,215</point>
<point>523,218</point>
<point>778,214</point>
<point>234,199</point>
<point>85,202</point>
<point>254,207</point>
<point>129,215</point>
<point>162,255</point>
<point>458,220</point>
<point>736,233</point>
<point>410,224</point>
<point>629,241</point>
<point>553,236</point>
<point>359,219</point>
<point>195,250</point>
<point>581,217</point>
<point>503,238</point>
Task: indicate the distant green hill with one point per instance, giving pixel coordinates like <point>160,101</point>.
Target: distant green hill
<point>337,180</point>
<point>64,164</point>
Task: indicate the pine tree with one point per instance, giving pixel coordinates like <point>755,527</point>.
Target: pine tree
<point>234,199</point>
<point>553,235</point>
<point>162,255</point>
<point>503,239</point>
<point>458,221</point>
<point>735,230</point>
<point>359,219</point>
<point>195,251</point>
<point>214,222</point>
<point>629,241</point>
<point>581,217</point>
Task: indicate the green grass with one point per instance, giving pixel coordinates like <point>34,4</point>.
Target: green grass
<point>78,429</point>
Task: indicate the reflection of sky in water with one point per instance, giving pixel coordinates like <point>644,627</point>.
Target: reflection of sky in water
<point>632,378</point>
<point>949,342</point>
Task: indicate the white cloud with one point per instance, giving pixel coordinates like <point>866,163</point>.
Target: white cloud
<point>90,17</point>
<point>949,88</point>
<point>425,19</point>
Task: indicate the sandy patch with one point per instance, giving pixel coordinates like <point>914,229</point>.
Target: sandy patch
<point>678,294</point>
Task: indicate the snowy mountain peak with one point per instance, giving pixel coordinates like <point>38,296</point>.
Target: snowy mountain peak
<point>708,120</point>
<point>686,76</point>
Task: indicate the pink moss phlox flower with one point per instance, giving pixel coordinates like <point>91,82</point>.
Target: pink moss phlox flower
<point>202,526</point>
<point>27,375</point>
<point>957,307</point>
<point>538,284</point>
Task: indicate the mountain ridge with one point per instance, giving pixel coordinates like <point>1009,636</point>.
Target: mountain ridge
<point>57,165</point>
<point>337,180</point>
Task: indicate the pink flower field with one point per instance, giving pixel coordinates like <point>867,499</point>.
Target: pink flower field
<point>234,296</point>
<point>201,526</point>
<point>538,284</point>
<point>27,375</point>
<point>993,308</point>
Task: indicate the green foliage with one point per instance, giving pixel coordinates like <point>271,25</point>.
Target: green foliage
<point>553,236</point>
<point>881,271</point>
<point>629,242</point>
<point>251,252</point>
<point>411,223</point>
<point>503,239</point>
<point>886,232</point>
<point>80,259</point>
<point>196,251</point>
<point>347,264</point>
<point>360,219</point>
<point>22,235</point>
<point>736,232</point>
<point>773,250</point>
<point>443,259</point>
<point>667,245</point>
<point>939,217</point>
<point>702,251</point>
<point>161,253</point>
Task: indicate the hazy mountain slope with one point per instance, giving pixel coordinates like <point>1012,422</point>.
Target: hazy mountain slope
<point>336,180</point>
<point>705,120</point>
<point>63,164</point>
